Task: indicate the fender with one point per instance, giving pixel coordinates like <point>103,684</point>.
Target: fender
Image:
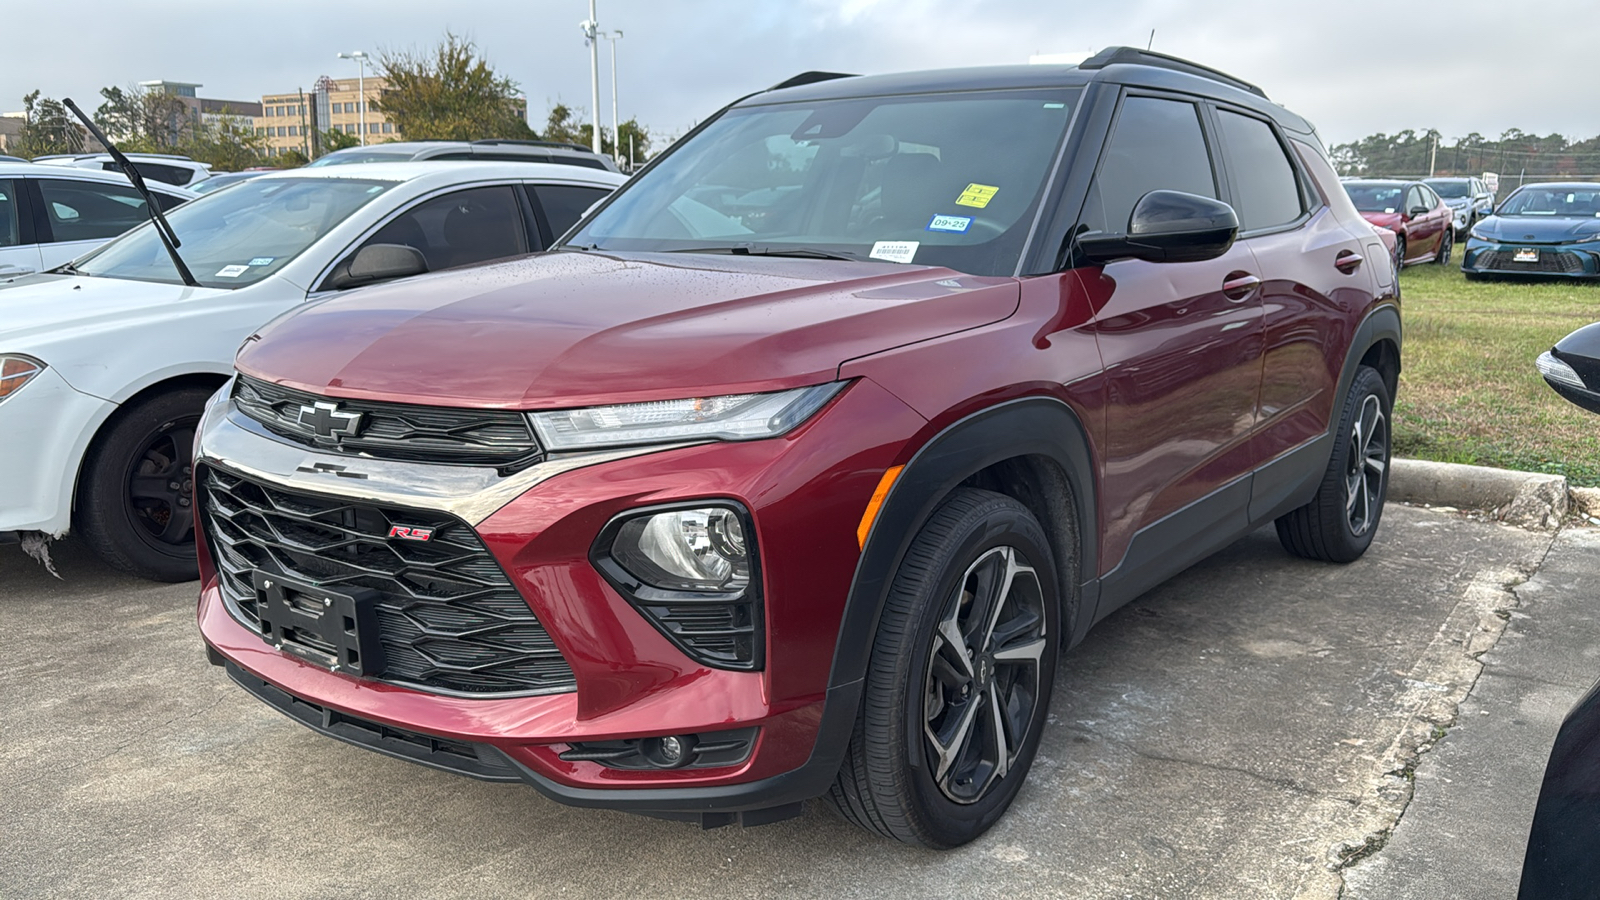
<point>1031,426</point>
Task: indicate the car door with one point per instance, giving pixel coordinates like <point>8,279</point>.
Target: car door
<point>1422,233</point>
<point>1180,342</point>
<point>19,249</point>
<point>80,214</point>
<point>460,228</point>
<point>1311,276</point>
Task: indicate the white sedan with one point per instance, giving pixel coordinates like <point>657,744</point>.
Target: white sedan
<point>106,362</point>
<point>52,214</point>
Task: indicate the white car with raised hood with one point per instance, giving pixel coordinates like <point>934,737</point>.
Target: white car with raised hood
<point>106,362</point>
<point>50,214</point>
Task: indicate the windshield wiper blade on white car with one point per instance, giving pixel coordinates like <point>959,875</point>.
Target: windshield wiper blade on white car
<point>169,238</point>
<point>760,250</point>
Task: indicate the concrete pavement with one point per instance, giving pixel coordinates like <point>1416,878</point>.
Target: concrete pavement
<point>1250,729</point>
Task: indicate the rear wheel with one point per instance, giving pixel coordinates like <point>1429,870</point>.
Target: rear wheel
<point>1446,245</point>
<point>1340,521</point>
<point>958,687</point>
<point>134,505</point>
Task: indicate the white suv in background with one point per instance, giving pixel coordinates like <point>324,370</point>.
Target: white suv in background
<point>51,215</point>
<point>1469,200</point>
<point>164,167</point>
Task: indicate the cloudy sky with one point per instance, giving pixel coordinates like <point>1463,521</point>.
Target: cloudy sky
<point>1353,68</point>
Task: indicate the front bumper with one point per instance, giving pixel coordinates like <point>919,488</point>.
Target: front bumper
<point>1555,260</point>
<point>48,426</point>
<point>631,681</point>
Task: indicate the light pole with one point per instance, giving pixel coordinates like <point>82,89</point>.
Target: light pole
<point>360,56</point>
<point>616,126</point>
<point>591,36</point>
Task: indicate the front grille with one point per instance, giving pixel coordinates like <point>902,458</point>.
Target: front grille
<point>436,434</point>
<point>448,618</point>
<point>1555,262</point>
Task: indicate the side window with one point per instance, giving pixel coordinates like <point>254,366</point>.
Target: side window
<point>1429,198</point>
<point>166,201</point>
<point>1414,199</point>
<point>565,204</point>
<point>10,223</point>
<point>1265,190</point>
<point>460,228</point>
<point>89,210</point>
<point>1157,145</point>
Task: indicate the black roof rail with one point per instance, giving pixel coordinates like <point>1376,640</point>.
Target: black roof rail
<point>809,78</point>
<point>1135,56</point>
<point>521,143</point>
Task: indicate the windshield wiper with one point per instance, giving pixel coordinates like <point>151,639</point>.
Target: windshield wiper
<point>169,238</point>
<point>757,250</point>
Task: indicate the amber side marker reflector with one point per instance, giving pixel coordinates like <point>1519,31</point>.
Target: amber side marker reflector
<point>876,503</point>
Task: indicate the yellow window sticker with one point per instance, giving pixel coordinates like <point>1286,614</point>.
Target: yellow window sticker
<point>977,195</point>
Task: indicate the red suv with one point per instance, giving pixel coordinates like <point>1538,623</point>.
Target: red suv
<point>793,470</point>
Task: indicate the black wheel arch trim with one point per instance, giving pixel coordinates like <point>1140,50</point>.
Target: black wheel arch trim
<point>1030,426</point>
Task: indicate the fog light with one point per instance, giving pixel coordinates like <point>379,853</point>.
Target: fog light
<point>701,549</point>
<point>668,752</point>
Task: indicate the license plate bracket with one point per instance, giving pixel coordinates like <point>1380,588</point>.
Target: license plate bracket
<point>1526,254</point>
<point>334,629</point>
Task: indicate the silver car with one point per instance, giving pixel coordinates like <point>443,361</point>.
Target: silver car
<point>1469,200</point>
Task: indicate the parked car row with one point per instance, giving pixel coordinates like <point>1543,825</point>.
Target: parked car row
<point>52,215</point>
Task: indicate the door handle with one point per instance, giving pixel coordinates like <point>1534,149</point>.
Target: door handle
<point>1240,285</point>
<point>1347,261</point>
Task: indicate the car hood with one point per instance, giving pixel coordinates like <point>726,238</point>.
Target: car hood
<point>576,329</point>
<point>1537,229</point>
<point>37,309</point>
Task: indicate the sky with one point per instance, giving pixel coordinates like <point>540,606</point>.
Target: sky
<point>1353,68</point>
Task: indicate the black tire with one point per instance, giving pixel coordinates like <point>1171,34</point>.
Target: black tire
<point>1340,521</point>
<point>127,510</point>
<point>1446,245</point>
<point>1399,252</point>
<point>897,779</point>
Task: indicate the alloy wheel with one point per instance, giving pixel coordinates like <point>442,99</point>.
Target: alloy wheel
<point>1369,458</point>
<point>160,485</point>
<point>983,683</point>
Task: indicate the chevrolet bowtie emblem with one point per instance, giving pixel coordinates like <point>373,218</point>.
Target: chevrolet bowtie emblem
<point>329,422</point>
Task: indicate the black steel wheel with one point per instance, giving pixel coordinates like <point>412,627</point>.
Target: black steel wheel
<point>135,505</point>
<point>1339,523</point>
<point>1446,245</point>
<point>958,687</point>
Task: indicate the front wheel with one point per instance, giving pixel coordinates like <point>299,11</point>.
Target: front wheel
<point>1340,521</point>
<point>958,686</point>
<point>134,503</point>
<point>1399,252</point>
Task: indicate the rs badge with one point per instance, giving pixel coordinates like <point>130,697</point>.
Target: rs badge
<point>408,533</point>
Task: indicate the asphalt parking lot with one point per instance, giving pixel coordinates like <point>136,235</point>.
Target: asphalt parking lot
<point>1250,729</point>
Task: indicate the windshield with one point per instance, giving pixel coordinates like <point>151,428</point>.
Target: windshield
<point>347,157</point>
<point>936,179</point>
<point>238,236</point>
<point>1538,201</point>
<point>1450,190</point>
<point>1384,198</point>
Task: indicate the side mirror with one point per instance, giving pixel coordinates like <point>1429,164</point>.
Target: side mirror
<point>1572,367</point>
<point>1168,226</point>
<point>378,262</point>
<point>1419,211</point>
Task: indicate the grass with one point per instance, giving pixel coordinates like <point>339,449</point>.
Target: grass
<point>1469,392</point>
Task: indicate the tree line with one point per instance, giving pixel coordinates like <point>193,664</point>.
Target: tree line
<point>447,93</point>
<point>1513,153</point>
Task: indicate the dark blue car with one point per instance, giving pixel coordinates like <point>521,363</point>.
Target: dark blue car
<point>1541,229</point>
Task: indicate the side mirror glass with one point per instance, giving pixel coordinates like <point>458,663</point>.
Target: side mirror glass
<point>1168,226</point>
<point>378,262</point>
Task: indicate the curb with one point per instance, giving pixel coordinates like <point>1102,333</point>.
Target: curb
<point>1526,499</point>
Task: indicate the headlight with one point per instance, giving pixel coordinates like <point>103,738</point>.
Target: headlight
<point>16,371</point>
<point>700,549</point>
<point>737,417</point>
<point>1587,238</point>
<point>1557,371</point>
<point>1478,232</point>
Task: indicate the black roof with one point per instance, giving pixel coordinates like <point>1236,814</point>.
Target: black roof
<point>1117,65</point>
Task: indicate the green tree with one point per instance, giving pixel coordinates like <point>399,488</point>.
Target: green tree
<point>560,127</point>
<point>224,141</point>
<point>141,120</point>
<point>449,93</point>
<point>334,139</point>
<point>48,127</point>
